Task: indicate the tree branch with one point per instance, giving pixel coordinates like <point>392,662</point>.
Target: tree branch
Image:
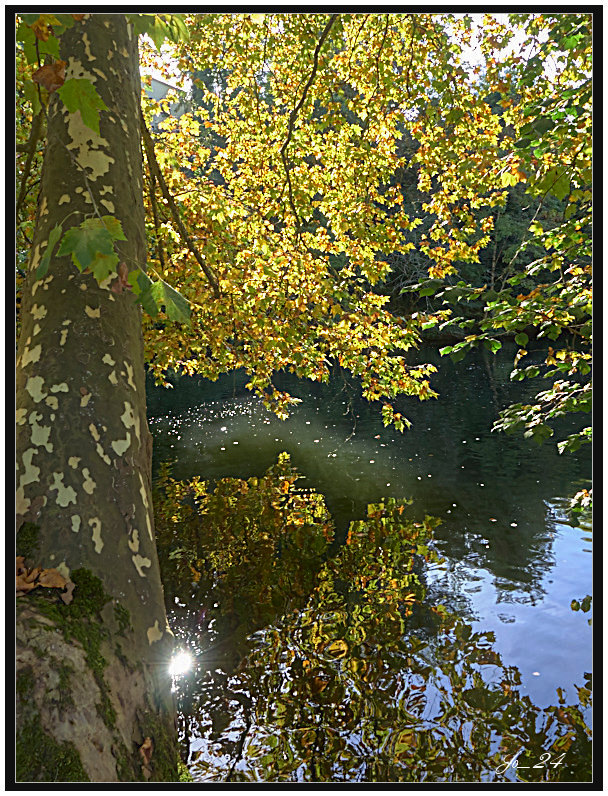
<point>294,113</point>
<point>159,244</point>
<point>157,174</point>
<point>30,148</point>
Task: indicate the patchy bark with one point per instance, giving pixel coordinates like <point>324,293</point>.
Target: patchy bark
<point>83,445</point>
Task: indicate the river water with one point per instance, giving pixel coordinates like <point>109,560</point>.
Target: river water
<point>513,559</point>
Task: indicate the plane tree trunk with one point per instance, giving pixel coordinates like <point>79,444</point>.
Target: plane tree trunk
<point>92,677</point>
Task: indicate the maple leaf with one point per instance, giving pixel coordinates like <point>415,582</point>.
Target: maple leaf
<point>176,306</point>
<point>79,94</point>
<point>86,243</point>
<point>103,265</point>
<point>51,77</point>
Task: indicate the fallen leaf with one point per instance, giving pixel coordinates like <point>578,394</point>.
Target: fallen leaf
<point>51,77</point>
<point>32,575</point>
<point>26,580</point>
<point>52,579</point>
<point>146,749</point>
<point>23,586</point>
<point>78,17</point>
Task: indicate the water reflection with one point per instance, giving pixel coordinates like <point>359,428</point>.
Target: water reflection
<point>353,674</point>
<point>512,567</point>
<point>484,486</point>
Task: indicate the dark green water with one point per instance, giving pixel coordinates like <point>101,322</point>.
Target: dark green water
<point>513,561</point>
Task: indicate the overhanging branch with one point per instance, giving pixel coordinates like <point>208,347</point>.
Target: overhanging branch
<point>157,174</point>
<point>294,113</point>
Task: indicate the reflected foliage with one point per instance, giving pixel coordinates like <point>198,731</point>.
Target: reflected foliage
<point>251,546</point>
<point>355,676</point>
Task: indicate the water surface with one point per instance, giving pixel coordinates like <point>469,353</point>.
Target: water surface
<point>514,562</point>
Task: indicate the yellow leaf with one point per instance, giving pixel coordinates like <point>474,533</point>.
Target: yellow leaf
<point>337,648</point>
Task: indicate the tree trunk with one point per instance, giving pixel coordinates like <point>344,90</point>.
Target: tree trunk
<point>92,675</point>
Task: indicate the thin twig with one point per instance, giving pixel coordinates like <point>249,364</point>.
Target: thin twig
<point>35,134</point>
<point>159,244</point>
<point>294,113</point>
<point>156,172</point>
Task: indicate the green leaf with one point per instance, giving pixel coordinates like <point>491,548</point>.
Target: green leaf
<point>507,179</point>
<point>30,93</point>
<point>155,26</point>
<point>543,124</point>
<point>141,22</point>
<point>50,47</point>
<point>176,306</point>
<point>103,265</point>
<point>146,297</point>
<point>521,339</point>
<point>27,36</point>
<point>113,226</point>
<point>84,243</point>
<point>65,21</point>
<point>79,94</point>
<point>571,42</point>
<point>561,189</point>
<point>523,142</point>
<point>159,32</point>
<point>555,183</point>
<point>492,345</point>
<point>179,31</point>
<point>54,236</point>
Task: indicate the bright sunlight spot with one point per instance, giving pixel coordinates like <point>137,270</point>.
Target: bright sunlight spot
<point>180,663</point>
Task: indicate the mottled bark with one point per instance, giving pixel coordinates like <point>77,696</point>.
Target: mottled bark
<point>83,445</point>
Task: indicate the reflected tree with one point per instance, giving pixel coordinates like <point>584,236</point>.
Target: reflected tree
<point>355,675</point>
